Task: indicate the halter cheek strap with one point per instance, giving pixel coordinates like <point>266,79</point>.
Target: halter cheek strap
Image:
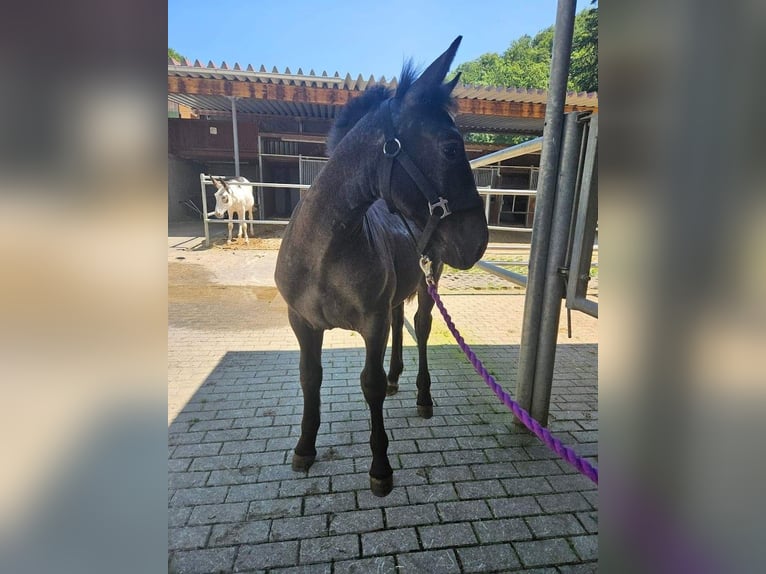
<point>393,152</point>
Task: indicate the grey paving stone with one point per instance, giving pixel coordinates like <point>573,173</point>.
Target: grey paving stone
<point>589,520</point>
<point>565,502</point>
<point>329,548</point>
<point>333,502</point>
<point>537,468</point>
<point>488,558</point>
<point>592,497</point>
<point>496,470</point>
<point>479,489</point>
<point>202,561</point>
<point>178,516</point>
<point>356,521</point>
<point>239,475</point>
<point>585,546</point>
<point>187,479</point>
<point>516,506</point>
<point>529,485</point>
<point>269,555</point>
<point>366,499</point>
<point>188,537</point>
<point>298,527</point>
<point>431,493</point>
<point>389,541</point>
<point>217,513</point>
<point>586,568</point>
<point>463,510</point>
<point>412,515</point>
<point>275,457</point>
<point>446,535</point>
<point>376,565</point>
<point>449,474</point>
<point>185,438</point>
<point>502,530</point>
<point>545,552</point>
<point>304,486</point>
<point>199,496</point>
<point>225,435</point>
<point>251,532</point>
<point>431,561</point>
<point>214,462</point>
<point>421,459</point>
<point>243,447</point>
<point>554,525</point>
<point>459,457</point>
<point>274,508</point>
<point>179,464</point>
<point>324,568</point>
<point>250,492</point>
<point>568,482</point>
<point>357,481</point>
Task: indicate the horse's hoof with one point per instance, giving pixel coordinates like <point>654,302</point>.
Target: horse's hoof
<point>425,411</point>
<point>392,389</point>
<point>302,463</point>
<point>381,486</point>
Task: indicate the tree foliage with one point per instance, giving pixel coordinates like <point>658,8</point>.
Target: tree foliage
<point>175,55</point>
<point>527,61</point>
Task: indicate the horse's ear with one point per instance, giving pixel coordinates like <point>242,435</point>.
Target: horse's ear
<point>435,73</point>
<point>449,86</point>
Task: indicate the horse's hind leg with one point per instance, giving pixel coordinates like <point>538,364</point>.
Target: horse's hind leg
<point>374,387</point>
<point>310,341</point>
<point>422,330</point>
<point>396,366</point>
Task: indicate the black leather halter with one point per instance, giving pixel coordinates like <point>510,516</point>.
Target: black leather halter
<point>394,152</point>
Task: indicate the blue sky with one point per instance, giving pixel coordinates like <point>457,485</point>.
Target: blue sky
<point>356,37</point>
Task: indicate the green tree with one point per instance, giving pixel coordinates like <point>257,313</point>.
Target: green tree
<point>175,55</point>
<point>527,62</point>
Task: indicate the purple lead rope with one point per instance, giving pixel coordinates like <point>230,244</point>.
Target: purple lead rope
<point>582,465</point>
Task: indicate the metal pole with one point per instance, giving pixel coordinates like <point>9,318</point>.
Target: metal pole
<point>546,189</point>
<point>554,284</point>
<point>261,211</point>
<point>585,225</point>
<point>204,209</point>
<point>236,135</point>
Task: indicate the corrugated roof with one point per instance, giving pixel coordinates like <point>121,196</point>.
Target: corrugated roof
<point>480,108</point>
<point>324,80</point>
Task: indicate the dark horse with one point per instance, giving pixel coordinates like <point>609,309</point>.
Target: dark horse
<point>397,185</point>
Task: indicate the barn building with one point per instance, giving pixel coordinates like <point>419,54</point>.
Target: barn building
<point>281,121</point>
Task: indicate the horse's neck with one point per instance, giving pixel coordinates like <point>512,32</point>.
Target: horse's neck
<point>344,191</point>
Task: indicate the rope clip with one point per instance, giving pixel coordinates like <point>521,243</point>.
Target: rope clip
<point>426,266</point>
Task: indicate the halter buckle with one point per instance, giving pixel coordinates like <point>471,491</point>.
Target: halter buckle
<point>442,203</point>
<point>393,151</point>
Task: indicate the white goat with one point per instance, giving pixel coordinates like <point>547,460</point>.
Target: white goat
<point>232,198</point>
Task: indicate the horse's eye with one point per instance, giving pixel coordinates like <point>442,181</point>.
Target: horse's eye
<point>451,150</point>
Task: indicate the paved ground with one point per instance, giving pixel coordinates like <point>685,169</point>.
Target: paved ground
<point>472,493</point>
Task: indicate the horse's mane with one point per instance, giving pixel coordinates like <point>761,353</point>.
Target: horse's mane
<point>435,97</point>
<point>354,111</point>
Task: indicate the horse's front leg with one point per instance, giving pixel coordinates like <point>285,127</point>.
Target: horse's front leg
<point>423,322</point>
<point>374,387</point>
<point>310,341</point>
<point>230,216</point>
<point>396,366</point>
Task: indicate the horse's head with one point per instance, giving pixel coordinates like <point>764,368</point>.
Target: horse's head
<point>419,129</point>
<point>222,197</point>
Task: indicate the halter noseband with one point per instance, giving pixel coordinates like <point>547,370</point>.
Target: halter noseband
<point>393,151</point>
